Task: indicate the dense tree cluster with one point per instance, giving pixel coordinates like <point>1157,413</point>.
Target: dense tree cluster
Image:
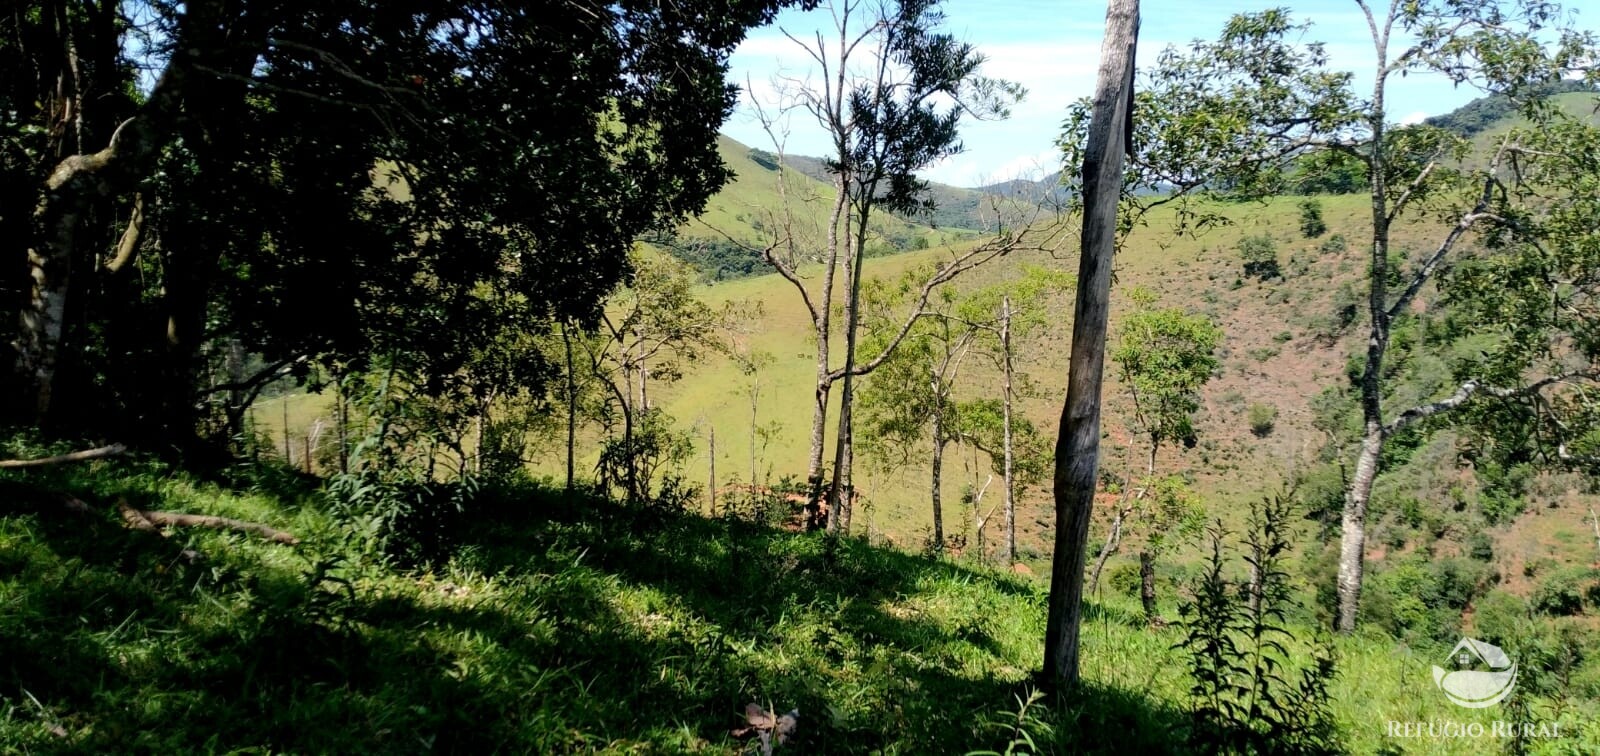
<point>321,183</point>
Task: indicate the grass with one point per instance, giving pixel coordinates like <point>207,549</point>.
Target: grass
<point>562,624</point>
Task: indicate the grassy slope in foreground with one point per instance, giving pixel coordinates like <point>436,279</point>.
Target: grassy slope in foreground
<point>558,626</point>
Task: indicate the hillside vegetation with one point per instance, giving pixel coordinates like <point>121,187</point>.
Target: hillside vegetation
<point>564,624</point>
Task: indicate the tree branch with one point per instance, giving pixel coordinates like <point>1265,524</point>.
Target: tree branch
<point>78,456</point>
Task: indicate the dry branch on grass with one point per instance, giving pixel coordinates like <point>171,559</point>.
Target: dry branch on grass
<point>77,456</point>
<point>140,519</point>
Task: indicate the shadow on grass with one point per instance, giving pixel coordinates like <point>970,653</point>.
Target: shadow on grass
<point>563,624</point>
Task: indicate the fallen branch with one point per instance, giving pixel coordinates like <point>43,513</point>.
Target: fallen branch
<point>140,519</point>
<point>78,456</point>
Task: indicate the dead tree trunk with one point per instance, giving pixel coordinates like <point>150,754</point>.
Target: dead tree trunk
<point>1078,446</point>
<point>938,471</point>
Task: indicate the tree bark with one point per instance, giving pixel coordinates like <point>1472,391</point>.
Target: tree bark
<point>572,403</point>
<point>938,471</point>
<point>844,441</point>
<point>1078,446</point>
<point>815,509</point>
<point>1010,501</point>
<point>1147,584</point>
<point>1353,536</point>
<point>78,184</point>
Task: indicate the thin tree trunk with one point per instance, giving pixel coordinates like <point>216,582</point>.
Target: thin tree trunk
<point>572,403</point>
<point>1147,584</point>
<point>938,471</point>
<point>844,440</point>
<point>755,396</point>
<point>1010,502</point>
<point>816,517</point>
<point>1078,446</point>
<point>1352,539</point>
<point>1113,540</point>
<point>711,483</point>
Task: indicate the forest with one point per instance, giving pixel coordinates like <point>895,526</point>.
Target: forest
<point>442,376</point>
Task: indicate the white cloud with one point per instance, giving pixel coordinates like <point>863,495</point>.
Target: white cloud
<point>1412,118</point>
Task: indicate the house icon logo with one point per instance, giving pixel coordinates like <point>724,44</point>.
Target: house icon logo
<point>1484,675</point>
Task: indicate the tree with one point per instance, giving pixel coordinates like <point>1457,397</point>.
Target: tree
<point>883,125</point>
<point>1415,170</point>
<point>1164,357</point>
<point>652,331</point>
<point>1078,446</point>
<point>331,183</point>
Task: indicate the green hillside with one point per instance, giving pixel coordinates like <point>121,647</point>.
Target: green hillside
<point>749,211</point>
<point>570,624</point>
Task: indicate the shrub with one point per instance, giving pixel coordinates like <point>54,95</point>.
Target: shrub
<point>1480,547</point>
<point>1249,694</point>
<point>1263,418</point>
<point>1562,593</point>
<point>1125,579</point>
<point>1500,616</point>
<point>1333,245</point>
<point>1260,256</point>
<point>1311,224</point>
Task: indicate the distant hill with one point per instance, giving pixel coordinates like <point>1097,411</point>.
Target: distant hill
<point>1485,113</point>
<point>745,213</point>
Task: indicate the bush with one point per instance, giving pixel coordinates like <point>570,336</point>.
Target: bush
<point>1333,245</point>
<point>1311,224</point>
<point>1500,617</point>
<point>1563,592</point>
<point>1125,579</point>
<point>1263,418</point>
<point>1260,257</point>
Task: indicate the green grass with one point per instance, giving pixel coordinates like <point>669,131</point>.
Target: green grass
<point>561,624</point>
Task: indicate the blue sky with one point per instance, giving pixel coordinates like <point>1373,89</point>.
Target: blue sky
<point>1053,49</point>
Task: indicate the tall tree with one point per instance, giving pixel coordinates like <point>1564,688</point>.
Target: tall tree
<point>1078,446</point>
<point>1232,116</point>
<point>1164,358</point>
<point>335,181</point>
<point>890,96</point>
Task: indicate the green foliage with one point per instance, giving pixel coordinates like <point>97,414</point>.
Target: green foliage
<point>1164,357</point>
<point>1420,600</point>
<point>1311,223</point>
<point>649,460</point>
<point>356,181</point>
<point>1023,729</point>
<point>1333,245</point>
<point>1262,418</point>
<point>1260,256</point>
<point>1249,694</point>
<point>1501,617</point>
<point>1567,591</point>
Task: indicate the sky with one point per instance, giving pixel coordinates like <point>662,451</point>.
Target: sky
<point>1053,49</point>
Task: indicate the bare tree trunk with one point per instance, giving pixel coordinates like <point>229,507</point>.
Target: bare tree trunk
<point>1078,446</point>
<point>1147,584</point>
<point>755,396</point>
<point>1353,538</point>
<point>824,329</point>
<point>711,484</point>
<point>1010,501</point>
<point>572,402</point>
<point>938,471</point>
<point>1113,540</point>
